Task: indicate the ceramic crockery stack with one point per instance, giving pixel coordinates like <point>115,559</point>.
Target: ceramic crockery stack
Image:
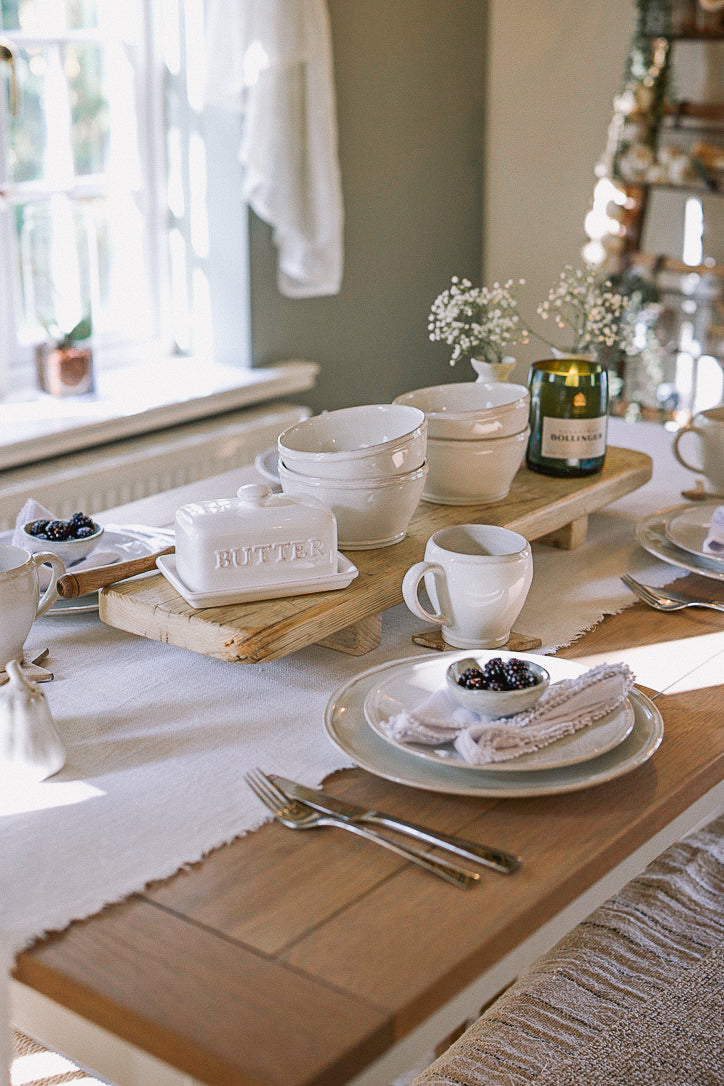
<point>366,463</point>
<point>477,437</point>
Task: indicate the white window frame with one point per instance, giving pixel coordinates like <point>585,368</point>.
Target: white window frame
<point>223,264</point>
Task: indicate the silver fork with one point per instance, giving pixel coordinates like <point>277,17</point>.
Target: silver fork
<point>298,816</point>
<point>666,601</point>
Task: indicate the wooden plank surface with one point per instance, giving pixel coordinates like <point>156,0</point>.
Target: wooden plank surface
<point>537,506</point>
<point>229,969</point>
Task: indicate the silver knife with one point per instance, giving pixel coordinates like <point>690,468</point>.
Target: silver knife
<point>350,812</point>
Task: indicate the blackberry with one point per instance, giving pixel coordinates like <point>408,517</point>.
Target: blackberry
<point>81,520</point>
<point>497,674</point>
<point>79,526</point>
<point>37,527</point>
<point>57,530</point>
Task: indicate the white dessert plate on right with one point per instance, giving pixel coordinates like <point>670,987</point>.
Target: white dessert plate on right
<point>651,534</point>
<point>689,529</point>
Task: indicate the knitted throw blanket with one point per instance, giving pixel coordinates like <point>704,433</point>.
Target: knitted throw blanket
<point>633,995</point>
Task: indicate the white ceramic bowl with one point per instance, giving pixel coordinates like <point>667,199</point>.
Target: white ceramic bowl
<point>495,703</point>
<point>370,512</point>
<point>70,550</point>
<point>465,472</point>
<point>363,442</point>
<point>469,410</point>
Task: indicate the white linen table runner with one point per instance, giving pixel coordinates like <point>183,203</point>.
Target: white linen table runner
<point>158,737</point>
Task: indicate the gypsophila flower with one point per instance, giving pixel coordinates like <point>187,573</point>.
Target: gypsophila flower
<point>591,310</point>
<point>477,322</point>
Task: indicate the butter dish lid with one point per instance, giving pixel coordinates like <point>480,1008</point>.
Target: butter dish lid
<point>257,537</point>
<point>254,502</point>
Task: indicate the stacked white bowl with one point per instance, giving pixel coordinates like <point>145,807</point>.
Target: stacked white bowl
<point>366,463</point>
<point>477,437</point>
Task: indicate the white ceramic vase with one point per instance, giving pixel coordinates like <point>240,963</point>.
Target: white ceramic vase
<point>493,371</point>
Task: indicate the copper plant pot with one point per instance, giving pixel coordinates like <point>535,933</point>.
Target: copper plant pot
<point>65,371</point>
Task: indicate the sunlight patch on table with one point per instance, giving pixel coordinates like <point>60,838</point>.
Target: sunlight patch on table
<point>690,663</point>
<point>25,798</point>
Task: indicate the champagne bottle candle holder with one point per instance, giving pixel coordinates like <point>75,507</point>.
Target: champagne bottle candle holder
<point>568,416</point>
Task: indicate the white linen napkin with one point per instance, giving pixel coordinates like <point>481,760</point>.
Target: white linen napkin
<point>564,708</point>
<point>33,510</point>
<point>714,542</point>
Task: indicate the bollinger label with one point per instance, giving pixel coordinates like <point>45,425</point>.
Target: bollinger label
<point>573,439</point>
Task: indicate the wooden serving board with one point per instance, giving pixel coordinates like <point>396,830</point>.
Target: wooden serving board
<point>539,507</point>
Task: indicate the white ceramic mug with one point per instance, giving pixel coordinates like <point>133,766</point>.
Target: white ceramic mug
<point>477,577</point>
<point>20,599</point>
<point>708,426</point>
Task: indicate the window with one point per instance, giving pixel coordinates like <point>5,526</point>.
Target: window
<point>104,223</point>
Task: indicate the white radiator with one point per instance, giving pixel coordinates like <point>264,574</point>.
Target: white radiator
<point>122,471</point>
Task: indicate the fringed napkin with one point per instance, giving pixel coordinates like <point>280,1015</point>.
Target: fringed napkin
<point>563,709</point>
<point>714,542</point>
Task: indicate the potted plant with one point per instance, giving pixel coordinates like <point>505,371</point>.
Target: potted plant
<point>65,362</point>
<point>480,324</point>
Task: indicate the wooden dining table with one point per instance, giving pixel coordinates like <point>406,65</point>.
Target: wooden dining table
<point>290,959</point>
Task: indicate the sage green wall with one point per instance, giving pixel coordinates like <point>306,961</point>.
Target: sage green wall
<point>410,80</point>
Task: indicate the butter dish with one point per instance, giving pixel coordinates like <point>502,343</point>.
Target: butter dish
<point>344,574</point>
<point>257,540</point>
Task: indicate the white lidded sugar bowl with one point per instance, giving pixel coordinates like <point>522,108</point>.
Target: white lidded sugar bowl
<point>257,539</point>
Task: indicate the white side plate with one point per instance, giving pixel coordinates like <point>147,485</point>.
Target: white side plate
<point>410,684</point>
<point>128,541</point>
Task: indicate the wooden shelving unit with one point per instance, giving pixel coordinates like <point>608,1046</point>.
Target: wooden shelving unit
<point>659,143</point>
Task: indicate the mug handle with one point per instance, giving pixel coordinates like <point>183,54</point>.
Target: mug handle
<point>411,586</point>
<point>50,595</point>
<point>679,456</point>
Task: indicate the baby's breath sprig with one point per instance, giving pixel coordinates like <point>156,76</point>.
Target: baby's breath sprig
<point>477,322</point>
<point>590,310</point>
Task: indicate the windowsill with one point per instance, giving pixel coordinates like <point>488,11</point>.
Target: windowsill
<point>137,400</point>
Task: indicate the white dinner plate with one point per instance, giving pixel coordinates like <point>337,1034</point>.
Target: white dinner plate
<point>651,534</point>
<point>344,574</point>
<point>407,685</point>
<point>350,731</point>
<point>688,528</point>
<point>132,541</point>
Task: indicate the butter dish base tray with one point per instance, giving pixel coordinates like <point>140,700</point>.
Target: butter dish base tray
<point>346,573</point>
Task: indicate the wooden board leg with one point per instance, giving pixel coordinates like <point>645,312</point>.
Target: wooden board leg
<point>568,537</point>
<point>357,639</point>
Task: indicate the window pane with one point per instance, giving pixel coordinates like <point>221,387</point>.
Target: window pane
<point>85,71</point>
<point>81,13</point>
<point>11,14</point>
<point>28,129</point>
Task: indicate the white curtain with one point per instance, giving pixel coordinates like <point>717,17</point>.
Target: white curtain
<point>272,59</point>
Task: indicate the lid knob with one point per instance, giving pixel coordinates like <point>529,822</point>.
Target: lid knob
<point>253,493</point>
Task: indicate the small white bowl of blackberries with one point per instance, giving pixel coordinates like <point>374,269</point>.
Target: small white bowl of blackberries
<point>72,539</point>
<point>496,686</point>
